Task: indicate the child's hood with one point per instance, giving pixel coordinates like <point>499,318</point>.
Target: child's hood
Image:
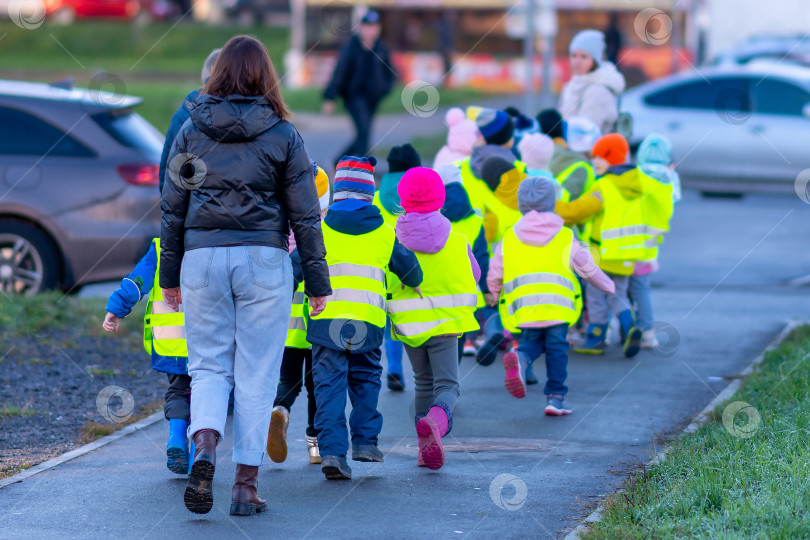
<point>389,197</point>
<point>507,189</point>
<point>481,153</point>
<point>353,216</point>
<point>538,228</point>
<point>456,203</point>
<point>626,178</point>
<point>425,233</point>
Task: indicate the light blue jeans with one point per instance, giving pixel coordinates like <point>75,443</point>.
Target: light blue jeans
<point>237,303</point>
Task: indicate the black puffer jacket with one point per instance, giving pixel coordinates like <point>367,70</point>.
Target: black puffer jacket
<point>253,181</point>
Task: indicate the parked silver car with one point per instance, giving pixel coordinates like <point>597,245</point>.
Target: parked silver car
<point>733,128</point>
<point>78,186</point>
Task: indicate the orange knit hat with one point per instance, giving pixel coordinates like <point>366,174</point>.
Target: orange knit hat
<point>612,147</point>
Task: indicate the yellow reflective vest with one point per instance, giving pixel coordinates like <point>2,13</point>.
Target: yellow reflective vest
<point>538,283</point>
<point>163,328</point>
<point>388,218</point>
<point>478,191</point>
<point>470,228</point>
<point>357,266</point>
<point>297,329</point>
<point>448,298</point>
<point>591,179</point>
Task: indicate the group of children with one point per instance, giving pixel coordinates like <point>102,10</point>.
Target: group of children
<point>516,215</point>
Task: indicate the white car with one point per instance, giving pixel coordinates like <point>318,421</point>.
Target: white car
<point>733,128</point>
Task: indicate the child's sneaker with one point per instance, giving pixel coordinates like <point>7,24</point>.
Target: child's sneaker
<point>595,342</point>
<point>648,340</point>
<point>177,447</point>
<point>556,405</point>
<point>313,450</point>
<point>277,436</point>
<point>469,348</point>
<point>514,377</point>
<point>489,350</point>
<point>396,382</point>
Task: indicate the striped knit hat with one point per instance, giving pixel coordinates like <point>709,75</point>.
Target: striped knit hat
<point>354,178</point>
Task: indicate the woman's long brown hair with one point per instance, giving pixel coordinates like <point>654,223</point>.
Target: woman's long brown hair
<point>244,67</point>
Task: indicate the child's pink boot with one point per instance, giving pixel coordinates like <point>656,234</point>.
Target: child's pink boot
<point>430,430</point>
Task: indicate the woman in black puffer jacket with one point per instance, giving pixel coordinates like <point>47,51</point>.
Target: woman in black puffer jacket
<point>240,179</point>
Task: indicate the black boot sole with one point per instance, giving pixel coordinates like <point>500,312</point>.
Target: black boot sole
<point>199,496</point>
<point>247,509</point>
<point>334,473</point>
<point>489,351</point>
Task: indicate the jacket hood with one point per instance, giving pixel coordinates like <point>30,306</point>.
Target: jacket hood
<point>232,118</point>
<point>389,196</point>
<point>353,216</point>
<point>538,228</point>
<point>481,153</point>
<point>626,178</point>
<point>606,74</point>
<point>425,233</point>
<point>456,202</point>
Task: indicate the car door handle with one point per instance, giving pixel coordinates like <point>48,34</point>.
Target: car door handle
<point>673,126</point>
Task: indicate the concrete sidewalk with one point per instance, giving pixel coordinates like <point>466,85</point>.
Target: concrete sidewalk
<point>510,472</point>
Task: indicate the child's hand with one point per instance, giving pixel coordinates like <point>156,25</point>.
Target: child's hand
<point>491,300</point>
<point>417,289</point>
<point>110,323</point>
<point>316,305</point>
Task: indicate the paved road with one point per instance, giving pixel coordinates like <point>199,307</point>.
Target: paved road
<point>722,287</point>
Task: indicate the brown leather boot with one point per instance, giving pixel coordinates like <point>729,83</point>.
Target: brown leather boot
<point>245,499</point>
<point>199,497</point>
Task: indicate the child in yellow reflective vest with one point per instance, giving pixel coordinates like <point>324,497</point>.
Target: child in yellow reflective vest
<point>655,161</point>
<point>386,198</point>
<point>430,321</point>
<point>535,267</point>
<point>616,234</point>
<point>164,340</point>
<point>296,364</point>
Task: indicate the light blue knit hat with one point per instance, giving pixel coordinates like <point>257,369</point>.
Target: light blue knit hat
<point>655,148</point>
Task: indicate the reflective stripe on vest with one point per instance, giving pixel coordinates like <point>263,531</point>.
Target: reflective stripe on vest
<point>357,266</point>
<point>297,327</point>
<point>470,227</point>
<point>539,285</point>
<point>163,328</point>
<point>622,229</point>
<point>448,303</point>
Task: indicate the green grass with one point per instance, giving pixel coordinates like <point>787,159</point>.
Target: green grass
<point>714,484</point>
<point>45,317</point>
<point>123,48</point>
<point>157,62</point>
<point>9,410</point>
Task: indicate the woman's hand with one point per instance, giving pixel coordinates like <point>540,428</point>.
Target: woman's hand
<point>173,298</point>
<point>110,323</point>
<point>316,305</point>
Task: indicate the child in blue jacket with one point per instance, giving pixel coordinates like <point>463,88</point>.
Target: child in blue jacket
<point>137,284</point>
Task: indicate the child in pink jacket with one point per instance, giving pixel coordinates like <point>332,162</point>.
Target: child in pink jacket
<point>538,243</point>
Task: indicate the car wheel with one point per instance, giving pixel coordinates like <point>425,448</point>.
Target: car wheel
<point>28,261</point>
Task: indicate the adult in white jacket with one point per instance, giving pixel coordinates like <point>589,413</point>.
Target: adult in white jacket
<point>595,84</point>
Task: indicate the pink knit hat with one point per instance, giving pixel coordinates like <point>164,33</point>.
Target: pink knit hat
<point>421,190</point>
<point>463,133</point>
<point>535,150</point>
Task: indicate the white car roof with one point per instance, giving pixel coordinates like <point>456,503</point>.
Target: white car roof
<point>45,91</point>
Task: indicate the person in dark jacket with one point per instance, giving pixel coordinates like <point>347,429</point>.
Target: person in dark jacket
<point>364,256</point>
<point>363,76</point>
<point>182,115</point>
<point>239,178</point>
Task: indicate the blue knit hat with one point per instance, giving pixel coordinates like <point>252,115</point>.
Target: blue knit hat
<point>495,126</point>
<point>655,148</point>
<point>354,178</point>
